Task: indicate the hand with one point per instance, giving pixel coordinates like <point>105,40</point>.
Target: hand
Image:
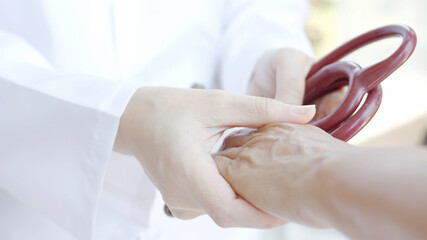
<point>276,168</point>
<point>171,132</point>
<point>281,74</point>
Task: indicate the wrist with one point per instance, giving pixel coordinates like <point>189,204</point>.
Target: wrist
<point>130,123</point>
<point>328,187</point>
<point>317,190</point>
<point>312,193</point>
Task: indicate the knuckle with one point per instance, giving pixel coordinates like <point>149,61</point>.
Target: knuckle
<point>247,162</point>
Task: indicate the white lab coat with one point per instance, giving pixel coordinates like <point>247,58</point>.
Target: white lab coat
<point>68,69</point>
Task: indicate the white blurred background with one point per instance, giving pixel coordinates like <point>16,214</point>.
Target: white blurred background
<point>402,117</point>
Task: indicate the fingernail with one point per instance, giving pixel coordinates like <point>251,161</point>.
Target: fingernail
<point>303,110</point>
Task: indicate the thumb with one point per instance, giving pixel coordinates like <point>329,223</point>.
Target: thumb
<point>250,111</point>
<point>218,199</point>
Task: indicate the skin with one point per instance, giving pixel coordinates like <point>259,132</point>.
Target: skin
<point>280,74</point>
<point>172,131</point>
<point>301,174</point>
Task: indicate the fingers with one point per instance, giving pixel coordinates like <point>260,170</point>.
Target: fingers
<point>291,67</point>
<point>290,86</point>
<point>250,111</point>
<point>218,199</point>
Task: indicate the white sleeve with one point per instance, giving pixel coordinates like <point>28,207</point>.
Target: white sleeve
<point>252,27</point>
<point>56,135</point>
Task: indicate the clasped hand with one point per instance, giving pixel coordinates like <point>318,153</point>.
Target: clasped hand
<point>172,131</point>
<point>277,168</point>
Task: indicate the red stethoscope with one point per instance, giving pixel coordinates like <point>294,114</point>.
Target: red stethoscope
<point>329,74</point>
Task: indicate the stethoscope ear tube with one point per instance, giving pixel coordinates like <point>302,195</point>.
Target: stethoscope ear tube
<point>409,41</point>
<point>328,74</point>
<point>351,126</point>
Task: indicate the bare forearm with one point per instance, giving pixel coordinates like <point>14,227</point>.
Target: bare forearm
<point>376,193</point>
